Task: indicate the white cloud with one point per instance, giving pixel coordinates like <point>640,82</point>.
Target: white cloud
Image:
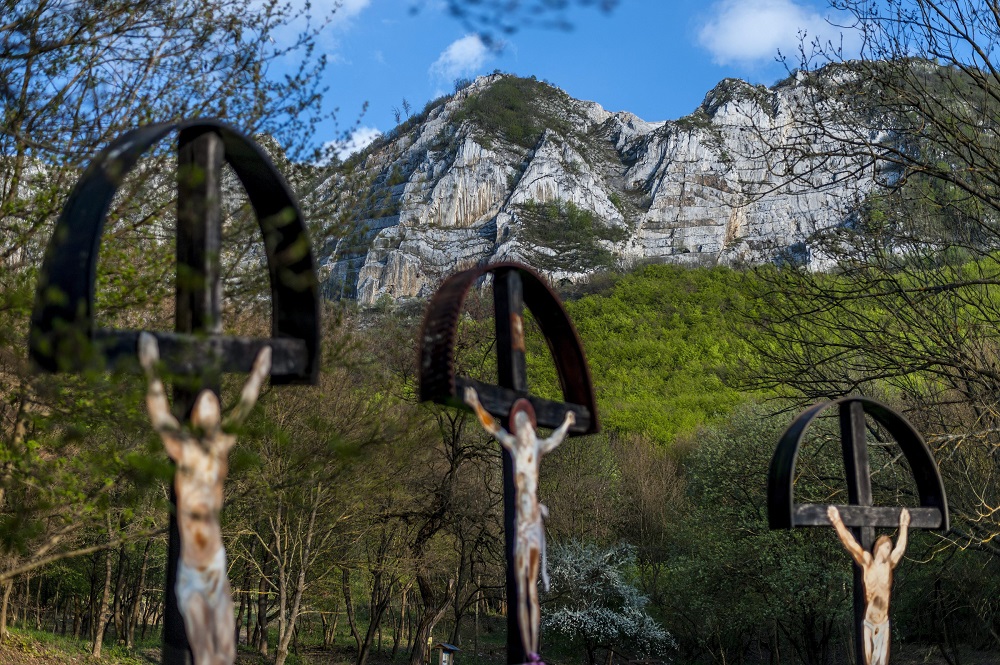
<point>359,139</point>
<point>340,14</point>
<point>345,9</point>
<point>338,11</point>
<point>463,57</point>
<point>748,31</point>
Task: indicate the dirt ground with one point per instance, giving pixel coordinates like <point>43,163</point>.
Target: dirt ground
<point>20,649</point>
<point>931,655</point>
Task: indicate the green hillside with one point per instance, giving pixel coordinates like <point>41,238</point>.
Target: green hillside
<point>664,345</point>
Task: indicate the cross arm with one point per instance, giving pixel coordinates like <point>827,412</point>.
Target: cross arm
<point>189,354</point>
<point>498,401</point>
<point>811,514</point>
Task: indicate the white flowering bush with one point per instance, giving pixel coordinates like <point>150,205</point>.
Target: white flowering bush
<point>593,602</point>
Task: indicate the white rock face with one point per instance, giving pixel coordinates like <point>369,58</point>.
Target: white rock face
<point>462,188</point>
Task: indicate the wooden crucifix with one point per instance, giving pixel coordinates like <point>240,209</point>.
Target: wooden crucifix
<point>63,336</point>
<point>871,641</point>
<point>514,287</point>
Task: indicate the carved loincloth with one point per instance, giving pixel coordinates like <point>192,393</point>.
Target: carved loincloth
<point>878,633</point>
<point>206,605</point>
<point>206,583</point>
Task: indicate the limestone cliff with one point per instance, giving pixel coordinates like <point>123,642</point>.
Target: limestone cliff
<point>512,168</point>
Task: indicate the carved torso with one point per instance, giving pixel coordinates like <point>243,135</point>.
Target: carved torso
<point>878,585</point>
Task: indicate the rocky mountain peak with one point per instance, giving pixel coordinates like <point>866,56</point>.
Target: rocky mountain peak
<point>513,168</point>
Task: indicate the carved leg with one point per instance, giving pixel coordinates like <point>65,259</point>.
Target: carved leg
<point>225,623</point>
<point>533,605</point>
<point>541,542</point>
<point>522,568</point>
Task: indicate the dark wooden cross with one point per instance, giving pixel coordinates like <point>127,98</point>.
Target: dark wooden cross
<point>514,286</point>
<point>860,514</point>
<point>63,337</point>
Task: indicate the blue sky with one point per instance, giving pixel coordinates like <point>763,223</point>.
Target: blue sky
<point>655,58</point>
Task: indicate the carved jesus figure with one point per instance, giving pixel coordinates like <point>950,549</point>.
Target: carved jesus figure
<point>202,455</point>
<point>877,568</point>
<point>526,449</point>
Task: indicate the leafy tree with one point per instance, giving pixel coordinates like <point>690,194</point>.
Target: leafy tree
<point>573,232</point>
<point>908,313</point>
<point>919,99</point>
<point>732,582</point>
<point>79,73</point>
<point>76,74</point>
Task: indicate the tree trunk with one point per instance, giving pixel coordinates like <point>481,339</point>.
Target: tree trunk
<point>280,576</point>
<point>104,615</point>
<point>475,642</point>
<point>118,612</point>
<point>261,630</point>
<point>287,631</point>
<point>244,601</point>
<point>250,618</point>
<point>463,580</point>
<point>38,605</point>
<point>398,626</point>
<point>25,604</point>
<point>55,604</point>
<point>434,609</point>
<point>239,616</point>
<point>7,586</point>
<point>77,617</point>
<point>410,623</point>
<point>137,597</point>
<point>329,629</point>
<point>349,604</point>
<point>147,616</point>
<point>380,603</point>
<point>92,603</point>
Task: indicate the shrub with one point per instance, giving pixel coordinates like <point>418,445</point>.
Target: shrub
<point>574,234</point>
<point>516,109</point>
<point>597,605</point>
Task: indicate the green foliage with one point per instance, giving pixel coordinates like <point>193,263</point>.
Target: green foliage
<point>617,202</point>
<point>30,647</point>
<point>517,110</point>
<point>663,344</point>
<point>735,574</point>
<point>396,177</point>
<point>574,233</point>
<point>697,120</point>
<point>791,590</point>
<point>735,90</point>
<point>928,210</point>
